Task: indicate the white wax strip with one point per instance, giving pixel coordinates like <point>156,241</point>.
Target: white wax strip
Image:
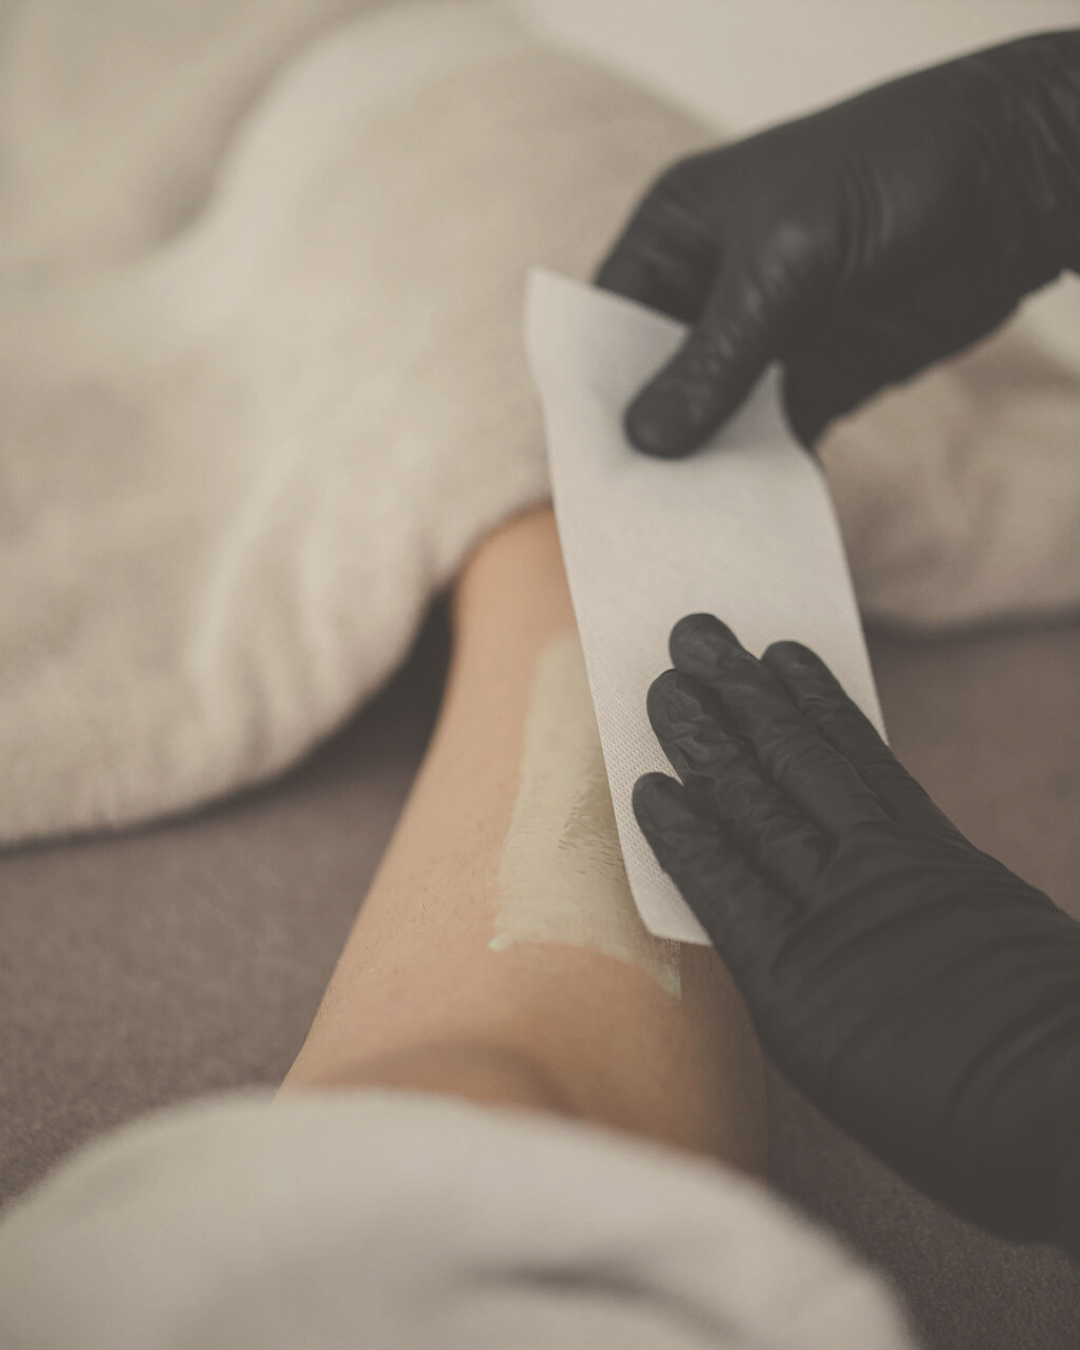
<point>744,530</point>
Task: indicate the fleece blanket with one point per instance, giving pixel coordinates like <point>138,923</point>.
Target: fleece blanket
<point>261,269</point>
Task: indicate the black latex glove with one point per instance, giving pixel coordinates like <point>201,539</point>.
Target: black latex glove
<point>924,997</point>
<point>860,244</point>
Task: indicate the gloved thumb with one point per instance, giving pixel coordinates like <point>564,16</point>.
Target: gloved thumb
<point>723,356</point>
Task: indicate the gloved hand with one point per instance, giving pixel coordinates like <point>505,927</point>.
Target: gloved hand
<point>860,244</point>
<point>924,997</point>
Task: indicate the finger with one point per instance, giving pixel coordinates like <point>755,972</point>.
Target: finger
<point>795,756</point>
<point>819,696</point>
<point>740,331</point>
<point>664,260</point>
<point>727,779</point>
<point>742,914</point>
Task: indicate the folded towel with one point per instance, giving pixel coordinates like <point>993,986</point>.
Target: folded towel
<point>399,1220</point>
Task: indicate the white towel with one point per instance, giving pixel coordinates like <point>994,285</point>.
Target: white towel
<point>261,381</point>
<point>401,1221</point>
<point>238,460</point>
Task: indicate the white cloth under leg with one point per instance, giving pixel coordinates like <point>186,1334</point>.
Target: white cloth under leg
<point>401,1221</point>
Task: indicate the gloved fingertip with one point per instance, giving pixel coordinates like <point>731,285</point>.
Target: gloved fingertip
<point>679,707</point>
<point>657,423</point>
<point>661,804</point>
<point>659,696</point>
<point>805,674</point>
<point>698,390</point>
<point>792,658</point>
<point>702,641</point>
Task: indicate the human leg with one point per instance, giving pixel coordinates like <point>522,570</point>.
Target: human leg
<point>497,955</point>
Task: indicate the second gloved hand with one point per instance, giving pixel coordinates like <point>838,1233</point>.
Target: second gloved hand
<point>860,244</point>
<point>918,992</point>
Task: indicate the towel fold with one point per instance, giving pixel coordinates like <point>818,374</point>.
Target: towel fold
<point>401,1220</point>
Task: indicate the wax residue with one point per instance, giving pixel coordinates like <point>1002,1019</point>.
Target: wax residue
<point>562,878</point>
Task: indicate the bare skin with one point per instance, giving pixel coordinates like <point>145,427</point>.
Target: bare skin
<point>421,1000</point>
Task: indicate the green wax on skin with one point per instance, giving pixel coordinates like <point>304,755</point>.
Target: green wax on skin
<point>561,877</point>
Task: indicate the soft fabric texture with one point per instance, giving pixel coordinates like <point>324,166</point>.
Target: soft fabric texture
<point>261,273</point>
<point>959,494</point>
<point>238,462</point>
<point>402,1221</point>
